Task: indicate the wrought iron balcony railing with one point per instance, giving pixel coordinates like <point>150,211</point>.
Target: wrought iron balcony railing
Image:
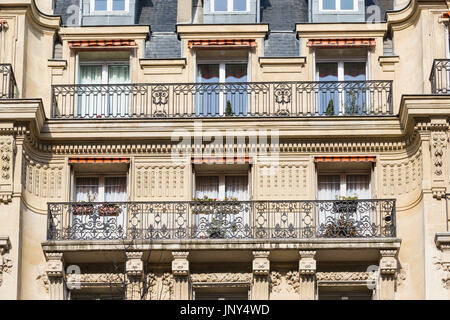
<point>8,86</point>
<point>440,76</point>
<point>222,220</point>
<point>250,99</point>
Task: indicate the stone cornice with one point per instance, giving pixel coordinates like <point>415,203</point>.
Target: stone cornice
<point>327,30</point>
<point>104,33</point>
<point>212,31</point>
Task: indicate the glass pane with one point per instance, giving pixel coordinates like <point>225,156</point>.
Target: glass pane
<point>236,96</point>
<point>115,189</point>
<point>90,97</point>
<point>220,5</point>
<point>207,186</point>
<point>236,187</point>
<point>328,92</point>
<point>359,186</point>
<point>207,97</point>
<point>347,5</point>
<point>239,5</point>
<point>328,4</point>
<point>118,74</point>
<point>101,5</point>
<point>355,93</point>
<point>328,187</point>
<point>86,189</point>
<point>118,5</point>
<point>90,74</point>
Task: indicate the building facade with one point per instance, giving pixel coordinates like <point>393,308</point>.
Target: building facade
<point>224,149</point>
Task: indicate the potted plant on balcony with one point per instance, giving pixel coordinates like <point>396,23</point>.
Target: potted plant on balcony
<point>84,207</point>
<point>216,231</point>
<point>345,224</point>
<point>345,204</point>
<point>231,206</point>
<point>228,109</point>
<point>330,108</point>
<point>109,210</point>
<point>203,205</point>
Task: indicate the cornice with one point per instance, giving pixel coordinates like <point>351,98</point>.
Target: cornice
<point>318,30</point>
<point>104,32</point>
<point>208,31</point>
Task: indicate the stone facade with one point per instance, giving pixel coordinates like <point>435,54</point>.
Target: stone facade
<point>154,245</point>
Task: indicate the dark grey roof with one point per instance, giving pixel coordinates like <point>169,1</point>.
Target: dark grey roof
<point>163,46</point>
<point>281,45</point>
<point>284,14</point>
<point>161,15</point>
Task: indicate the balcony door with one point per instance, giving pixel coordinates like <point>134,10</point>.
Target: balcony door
<point>344,217</point>
<point>104,92</point>
<point>98,212</point>
<point>346,97</point>
<point>213,99</point>
<point>223,215</point>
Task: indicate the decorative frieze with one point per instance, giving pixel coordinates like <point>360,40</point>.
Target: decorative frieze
<point>7,151</point>
<point>6,263</point>
<point>285,282</point>
<point>344,276</point>
<point>42,179</point>
<point>160,181</point>
<point>160,286</point>
<point>401,177</point>
<point>230,277</point>
<point>88,280</point>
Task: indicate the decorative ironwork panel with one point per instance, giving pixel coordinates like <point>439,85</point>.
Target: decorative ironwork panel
<point>222,220</point>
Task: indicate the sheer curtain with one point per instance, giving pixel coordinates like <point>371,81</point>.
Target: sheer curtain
<point>358,185</point>
<point>115,189</point>
<point>89,99</point>
<point>236,187</point>
<point>207,186</point>
<point>87,189</point>
<point>119,101</point>
<point>328,187</point>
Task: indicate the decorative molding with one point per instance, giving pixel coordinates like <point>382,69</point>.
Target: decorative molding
<point>6,263</point>
<point>42,277</point>
<point>388,262</point>
<point>7,151</point>
<point>55,265</point>
<point>261,263</point>
<point>285,282</point>
<point>221,277</point>
<point>160,286</point>
<point>134,265</point>
<point>160,181</point>
<point>89,280</point>
<point>438,145</point>
<point>387,63</point>
<point>180,264</point>
<point>344,276</point>
<point>307,263</point>
<point>442,260</point>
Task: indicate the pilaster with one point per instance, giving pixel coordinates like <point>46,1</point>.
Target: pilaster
<point>307,271</point>
<point>134,268</point>
<point>180,270</point>
<point>56,276</point>
<point>261,270</point>
<point>388,274</point>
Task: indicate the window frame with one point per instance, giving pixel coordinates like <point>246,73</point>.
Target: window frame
<point>343,181</point>
<point>101,184</point>
<point>340,64</point>
<point>105,69</point>
<point>109,7</point>
<point>222,184</point>
<point>338,7</point>
<point>230,7</point>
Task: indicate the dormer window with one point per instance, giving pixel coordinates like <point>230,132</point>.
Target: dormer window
<point>109,5</point>
<point>338,5</point>
<point>229,5</point>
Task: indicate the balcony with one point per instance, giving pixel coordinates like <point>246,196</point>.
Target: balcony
<point>440,76</point>
<point>231,220</point>
<point>230,100</point>
<point>8,86</point>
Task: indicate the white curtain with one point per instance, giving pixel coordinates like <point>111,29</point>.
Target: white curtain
<point>115,189</point>
<point>87,189</point>
<point>358,185</point>
<point>207,186</point>
<point>328,187</point>
<point>236,187</point>
<point>89,98</point>
<point>119,101</point>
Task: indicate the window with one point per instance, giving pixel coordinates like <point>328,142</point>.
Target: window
<point>100,189</point>
<point>338,5</point>
<point>99,100</point>
<point>229,5</point>
<point>334,186</point>
<point>228,218</point>
<point>109,5</point>
<point>229,101</point>
<point>342,98</point>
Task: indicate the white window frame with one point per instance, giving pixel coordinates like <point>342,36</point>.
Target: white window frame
<point>222,75</point>
<point>230,7</point>
<point>109,7</point>
<point>101,184</point>
<point>343,182</point>
<point>222,186</point>
<point>105,65</point>
<point>338,7</point>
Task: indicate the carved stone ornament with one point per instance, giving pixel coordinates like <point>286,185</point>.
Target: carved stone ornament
<point>388,262</point>
<point>96,279</point>
<point>180,264</point>
<point>134,265</point>
<point>285,282</point>
<point>160,286</point>
<point>6,263</point>
<point>307,264</point>
<point>344,276</point>
<point>438,142</point>
<point>55,265</point>
<point>444,267</point>
<point>261,263</point>
<point>221,277</point>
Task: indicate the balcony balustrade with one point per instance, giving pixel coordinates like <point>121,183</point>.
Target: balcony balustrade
<point>8,86</point>
<point>229,220</point>
<point>203,100</point>
<point>440,76</point>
